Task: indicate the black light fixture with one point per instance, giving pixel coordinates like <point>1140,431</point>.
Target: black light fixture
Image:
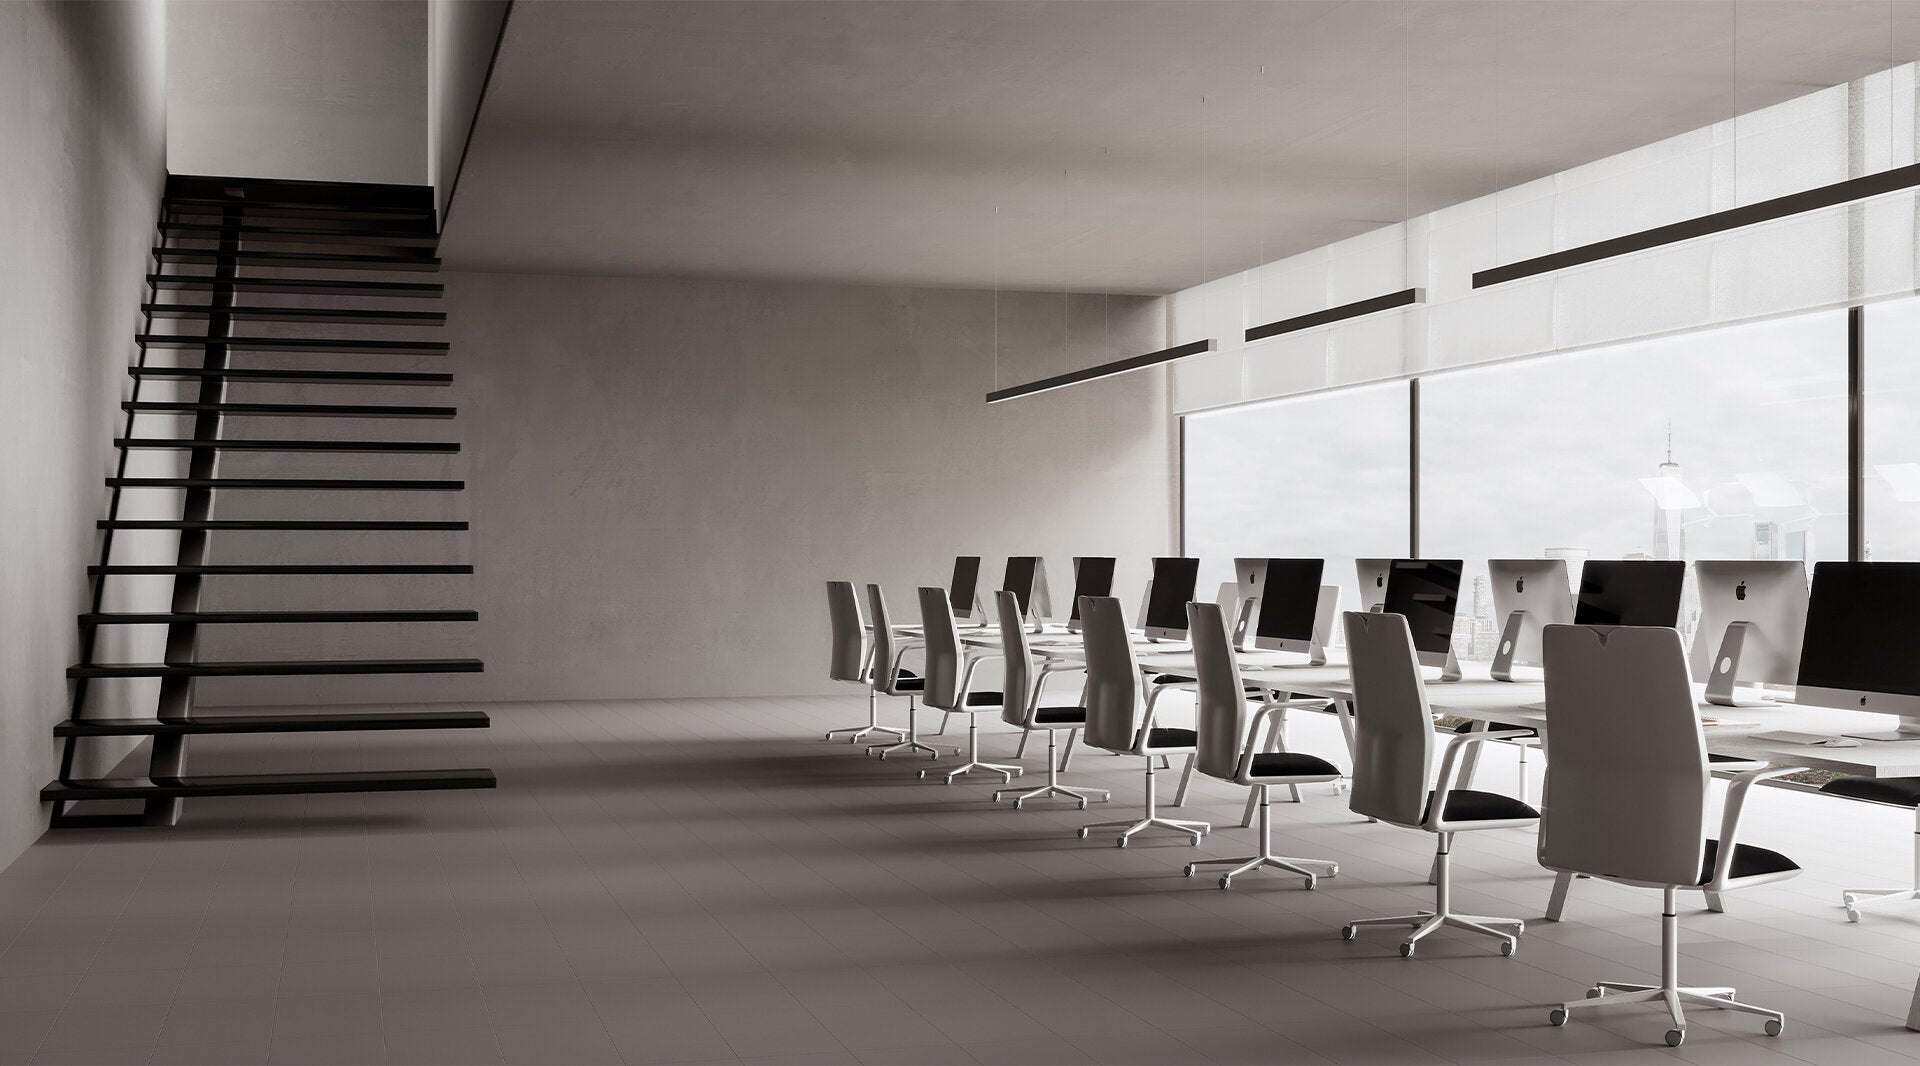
<point>1104,370</point>
<point>1373,305</point>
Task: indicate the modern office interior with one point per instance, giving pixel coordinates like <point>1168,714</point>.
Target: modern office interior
<point>1007,531</point>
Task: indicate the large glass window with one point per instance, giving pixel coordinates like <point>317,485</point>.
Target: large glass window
<point>1319,476</point>
<point>1893,430</point>
<point>1718,444</point>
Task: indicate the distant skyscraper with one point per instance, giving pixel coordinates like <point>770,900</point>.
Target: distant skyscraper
<point>1766,540</point>
<point>1669,534</point>
<point>1799,545</point>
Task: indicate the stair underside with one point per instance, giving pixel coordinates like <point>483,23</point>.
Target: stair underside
<point>412,290</point>
<point>278,668</point>
<point>345,316</point>
<point>107,788</point>
<point>272,569</point>
<point>281,525</point>
<point>244,445</point>
<point>290,410</point>
<point>323,484</point>
<point>208,618</point>
<point>294,344</point>
<point>307,260</point>
<point>294,233</point>
<point>292,377</point>
<point>327,722</point>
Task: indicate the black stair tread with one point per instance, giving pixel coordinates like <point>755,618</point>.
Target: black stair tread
<point>312,377</point>
<point>324,722</point>
<point>106,788</point>
<point>294,344</point>
<point>215,618</point>
<point>280,525</point>
<point>420,222</point>
<point>298,234</point>
<point>302,483</point>
<point>261,313</point>
<point>278,668</point>
<point>288,410</point>
<point>252,445</point>
<point>412,290</point>
<point>316,260</point>
<point>237,569</point>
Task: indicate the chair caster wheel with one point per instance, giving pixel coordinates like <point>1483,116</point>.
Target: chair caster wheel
<point>1083,834</point>
<point>1853,914</point>
<point>1226,882</point>
<point>1120,843</point>
<point>1017,803</point>
<point>1773,1027</point>
<point>1507,948</point>
<point>1596,993</point>
<point>1083,805</point>
<point>1406,950</point>
<point>1348,932</point>
<point>829,736</point>
<point>1309,882</point>
<point>1557,1017</point>
<point>1194,840</point>
<point>1187,871</point>
<point>1676,1037</point>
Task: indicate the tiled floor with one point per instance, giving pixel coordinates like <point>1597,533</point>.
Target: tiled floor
<point>706,880</point>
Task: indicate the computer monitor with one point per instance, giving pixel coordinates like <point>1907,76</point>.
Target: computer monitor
<point>1092,576</point>
<point>1862,629</point>
<point>1630,592</point>
<point>1373,582</point>
<point>1289,598</point>
<point>963,593</point>
<point>1249,574</point>
<point>1528,596</point>
<point>1753,619</point>
<point>1173,583</point>
<point>1427,593</point>
<point>1026,578</point>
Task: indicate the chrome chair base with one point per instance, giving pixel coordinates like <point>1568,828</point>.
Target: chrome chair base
<point>1194,830</point>
<point>1007,773</point>
<point>859,731</point>
<point>1857,900</point>
<point>1428,921</point>
<point>1048,791</point>
<point>1609,993</point>
<point>884,750</point>
<point>1328,868</point>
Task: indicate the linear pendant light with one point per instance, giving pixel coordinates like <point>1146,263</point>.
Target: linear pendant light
<point>1356,309</point>
<point>1104,370</point>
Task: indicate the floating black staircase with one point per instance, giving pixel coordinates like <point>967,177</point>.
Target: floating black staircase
<point>236,251</point>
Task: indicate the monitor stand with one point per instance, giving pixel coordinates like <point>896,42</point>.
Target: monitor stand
<point>1243,620</point>
<point>1316,654</point>
<point>1451,671</point>
<point>1724,672</point>
<point>1509,638</point>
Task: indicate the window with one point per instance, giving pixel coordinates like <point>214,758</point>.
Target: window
<point>1717,444</point>
<point>1322,476</point>
<point>1892,472</point>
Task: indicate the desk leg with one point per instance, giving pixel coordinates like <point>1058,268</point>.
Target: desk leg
<point>1253,804</point>
<point>1186,778</point>
<point>1913,1012</point>
<point>1066,757</point>
<point>1557,903</point>
<point>1470,761</point>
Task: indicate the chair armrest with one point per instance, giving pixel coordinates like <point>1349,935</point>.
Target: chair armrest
<point>1269,717</point>
<point>1736,804</point>
<point>1450,766</point>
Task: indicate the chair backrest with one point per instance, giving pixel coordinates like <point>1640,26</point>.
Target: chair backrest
<point>1113,679</point>
<point>1392,727</point>
<point>883,676</point>
<point>1220,717</point>
<point>1626,789</point>
<point>1016,682</point>
<point>849,639</point>
<point>943,649</point>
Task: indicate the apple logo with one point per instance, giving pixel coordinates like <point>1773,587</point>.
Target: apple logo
<point>1740,591</point>
<point>1520,584</point>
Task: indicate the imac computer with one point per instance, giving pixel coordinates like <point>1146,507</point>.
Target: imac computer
<point>1289,599</point>
<point>1862,630</point>
<point>963,595</point>
<point>1427,593</point>
<point>1026,578</point>
<point>1250,574</point>
<point>1373,582</point>
<point>1753,618</point>
<point>1528,596</point>
<point>1630,592</point>
<point>1167,598</point>
<point>1092,576</point>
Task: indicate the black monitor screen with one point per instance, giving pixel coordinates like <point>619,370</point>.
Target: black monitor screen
<point>966,576</point>
<point>1019,579</point>
<point>1862,629</point>
<point>1630,592</point>
<point>1173,583</point>
<point>1092,576</point>
<point>1427,592</point>
<point>1289,598</point>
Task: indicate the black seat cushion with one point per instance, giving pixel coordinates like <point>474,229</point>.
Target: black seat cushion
<point>1472,805</point>
<point>909,683</point>
<point>1467,727</point>
<point>1060,716</point>
<point>1748,861</point>
<point>1166,737</point>
<point>1899,791</point>
<point>1290,764</point>
<point>983,699</point>
<point>1183,679</point>
<point>1715,757</point>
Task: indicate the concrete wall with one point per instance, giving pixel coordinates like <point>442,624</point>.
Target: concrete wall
<point>665,473</point>
<point>461,35</point>
<point>320,90</point>
<point>83,118</point>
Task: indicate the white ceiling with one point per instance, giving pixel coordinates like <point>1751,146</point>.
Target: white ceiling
<point>1095,146</point>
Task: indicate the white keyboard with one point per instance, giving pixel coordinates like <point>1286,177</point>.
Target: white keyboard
<point>1806,740</point>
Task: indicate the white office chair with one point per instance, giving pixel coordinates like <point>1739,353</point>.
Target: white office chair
<point>851,658</point>
<point>1892,792</point>
<point>1114,718</point>
<point>949,686</point>
<point>888,679</point>
<point>1393,777</point>
<point>1024,707</point>
<point>1619,697</point>
<point>1246,753</point>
